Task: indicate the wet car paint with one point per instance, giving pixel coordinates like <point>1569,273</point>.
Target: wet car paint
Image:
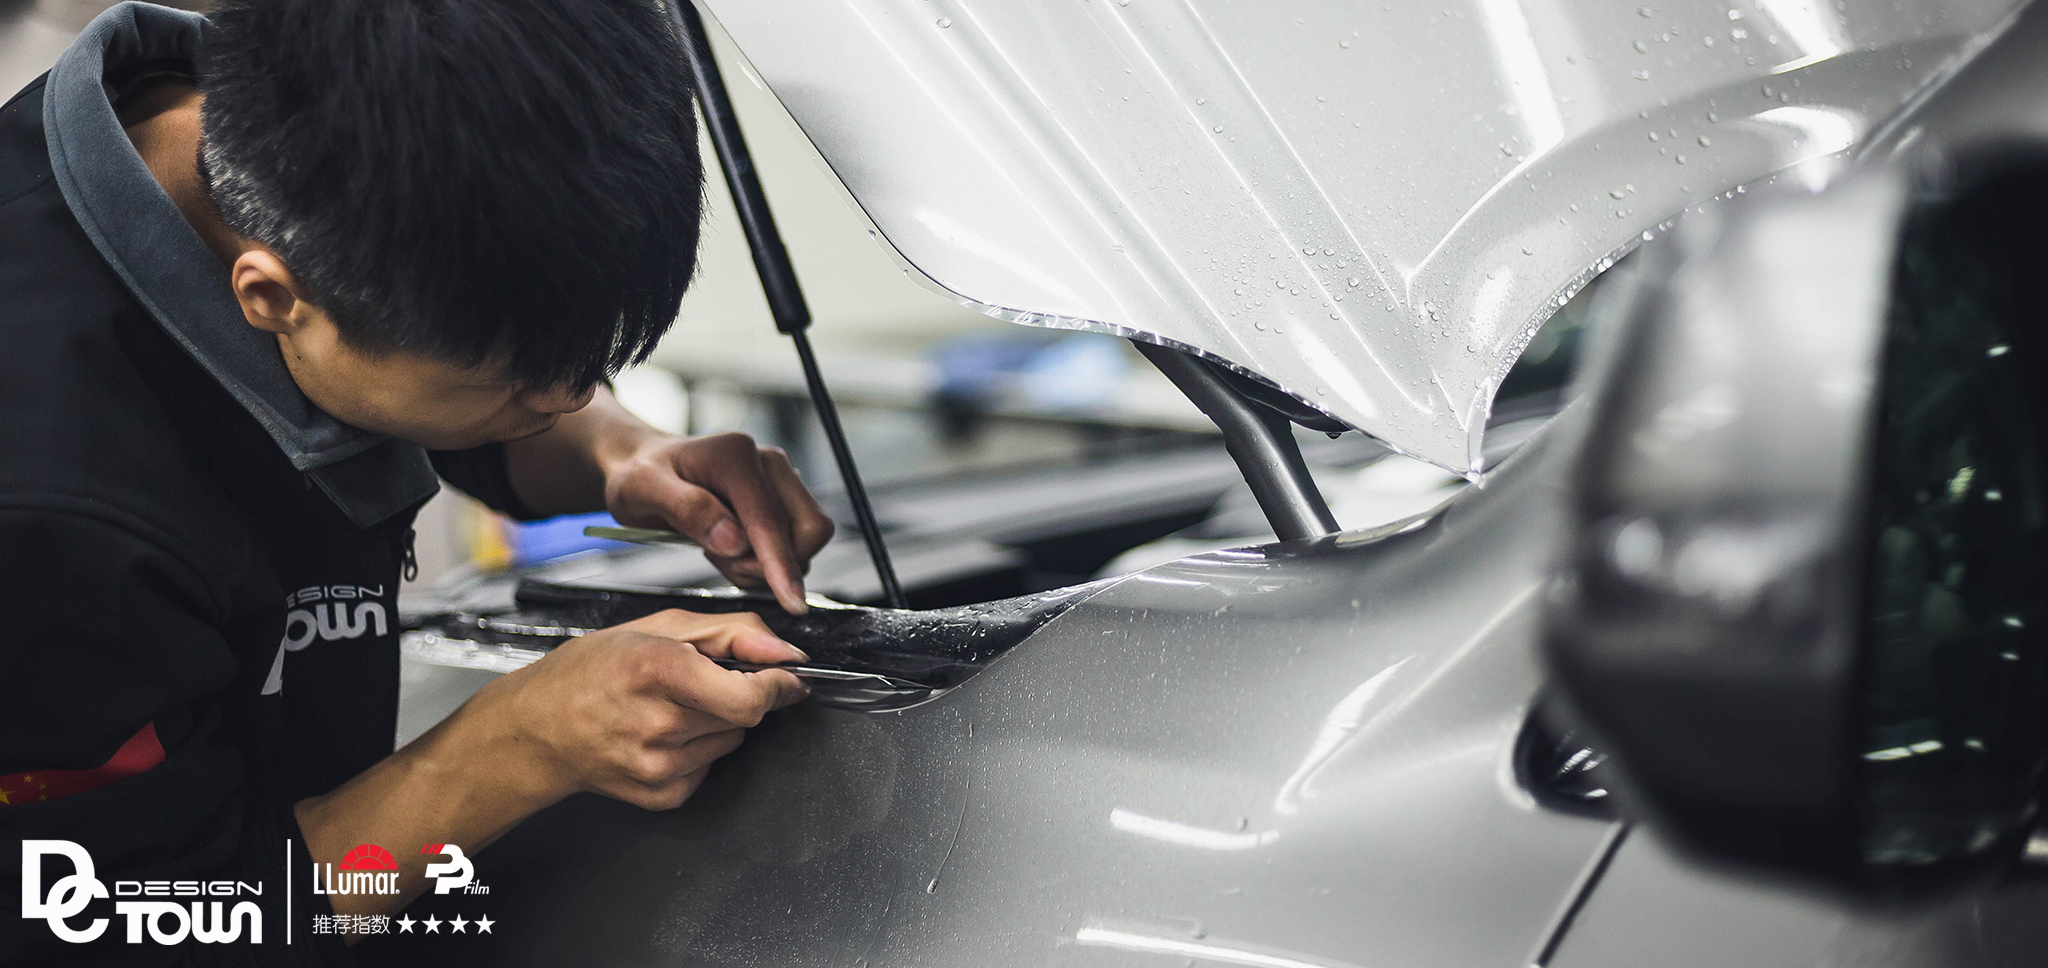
<point>1292,755</point>
<point>1299,752</point>
<point>1658,906</point>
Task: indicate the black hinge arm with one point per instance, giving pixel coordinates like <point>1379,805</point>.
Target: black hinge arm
<point>778,275</point>
<point>1260,439</point>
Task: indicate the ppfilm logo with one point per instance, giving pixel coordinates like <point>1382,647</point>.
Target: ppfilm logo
<point>456,874</point>
<point>168,922</point>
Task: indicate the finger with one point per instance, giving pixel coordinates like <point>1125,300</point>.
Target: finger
<point>739,698</point>
<point>809,527</point>
<point>664,497</point>
<point>677,623</point>
<point>676,782</point>
<point>676,792</point>
<point>746,639</point>
<point>730,466</point>
<point>690,782</point>
<point>789,690</point>
<point>759,507</point>
<point>698,752</point>
<point>744,572</point>
<point>737,635</point>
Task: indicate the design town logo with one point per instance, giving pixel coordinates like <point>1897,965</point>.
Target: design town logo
<point>338,612</point>
<point>168,922</point>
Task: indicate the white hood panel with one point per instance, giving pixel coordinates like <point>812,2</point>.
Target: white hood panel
<point>1371,205</point>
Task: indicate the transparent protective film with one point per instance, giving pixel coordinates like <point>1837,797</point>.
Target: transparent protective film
<point>1370,205</point>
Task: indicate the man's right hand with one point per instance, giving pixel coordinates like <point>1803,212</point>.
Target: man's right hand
<point>639,712</point>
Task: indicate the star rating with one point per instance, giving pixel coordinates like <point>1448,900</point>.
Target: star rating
<point>458,924</point>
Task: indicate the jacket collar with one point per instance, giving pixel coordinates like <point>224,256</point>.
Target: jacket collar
<point>170,271</point>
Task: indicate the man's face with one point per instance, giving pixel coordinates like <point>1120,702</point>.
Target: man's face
<point>433,403</point>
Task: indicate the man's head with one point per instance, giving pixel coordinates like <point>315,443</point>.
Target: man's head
<point>469,212</point>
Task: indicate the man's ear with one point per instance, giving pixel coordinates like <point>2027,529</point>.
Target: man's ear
<point>270,296</point>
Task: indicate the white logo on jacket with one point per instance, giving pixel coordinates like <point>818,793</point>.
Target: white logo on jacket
<point>70,895</point>
<point>341,612</point>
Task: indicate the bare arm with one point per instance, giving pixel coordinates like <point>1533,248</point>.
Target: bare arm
<point>744,503</point>
<point>638,712</point>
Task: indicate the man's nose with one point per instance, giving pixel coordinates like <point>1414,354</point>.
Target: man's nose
<point>560,399</point>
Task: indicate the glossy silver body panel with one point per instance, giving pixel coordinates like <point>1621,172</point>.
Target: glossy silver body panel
<point>1657,907</point>
<point>1294,755</point>
<point>1298,752</point>
<point>1285,756</point>
<point>1371,205</point>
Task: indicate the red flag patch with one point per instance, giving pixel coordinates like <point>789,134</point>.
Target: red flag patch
<point>141,752</point>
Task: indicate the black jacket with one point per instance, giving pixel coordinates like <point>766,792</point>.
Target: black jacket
<point>166,564</point>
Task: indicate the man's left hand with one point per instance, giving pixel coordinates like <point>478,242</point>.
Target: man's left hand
<point>742,502</point>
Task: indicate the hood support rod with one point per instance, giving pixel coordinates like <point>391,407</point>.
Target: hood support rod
<point>1259,438</point>
<point>778,275</point>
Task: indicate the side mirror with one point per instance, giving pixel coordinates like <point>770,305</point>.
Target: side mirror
<point>1805,600</point>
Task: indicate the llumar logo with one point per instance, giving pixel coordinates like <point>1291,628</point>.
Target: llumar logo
<point>168,922</point>
<point>365,869</point>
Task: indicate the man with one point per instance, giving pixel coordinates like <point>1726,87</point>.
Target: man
<point>260,277</point>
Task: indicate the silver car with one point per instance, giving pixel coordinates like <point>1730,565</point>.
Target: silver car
<point>1344,748</point>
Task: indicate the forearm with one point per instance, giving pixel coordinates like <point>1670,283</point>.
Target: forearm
<point>636,712</point>
<point>562,471</point>
<point>463,783</point>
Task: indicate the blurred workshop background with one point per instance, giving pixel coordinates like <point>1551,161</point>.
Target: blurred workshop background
<point>929,389</point>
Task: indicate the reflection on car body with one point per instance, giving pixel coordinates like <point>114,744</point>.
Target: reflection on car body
<point>1310,752</point>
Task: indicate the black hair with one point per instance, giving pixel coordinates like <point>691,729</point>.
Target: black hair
<point>503,181</point>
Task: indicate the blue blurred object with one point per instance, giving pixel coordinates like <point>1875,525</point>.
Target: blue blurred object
<point>533,542</point>
<point>977,367</point>
<point>1039,369</point>
<point>1082,371</point>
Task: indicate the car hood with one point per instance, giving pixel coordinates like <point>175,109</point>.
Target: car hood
<point>1372,206</point>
